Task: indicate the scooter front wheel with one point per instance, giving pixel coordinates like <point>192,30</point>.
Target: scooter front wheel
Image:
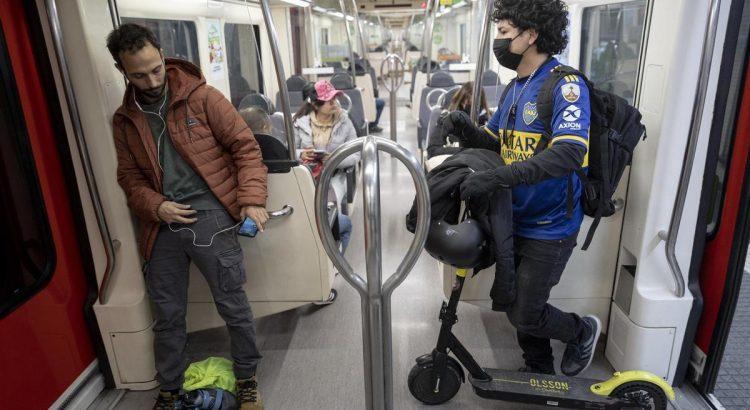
<point>643,394</point>
<point>427,388</point>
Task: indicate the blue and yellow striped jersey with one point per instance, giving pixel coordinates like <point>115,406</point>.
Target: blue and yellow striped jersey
<point>539,211</point>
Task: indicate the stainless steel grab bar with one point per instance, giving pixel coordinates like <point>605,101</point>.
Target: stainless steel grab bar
<point>481,61</point>
<point>375,299</point>
<point>395,65</point>
<point>280,77</point>
<point>687,167</point>
<point>286,210</point>
<point>83,152</point>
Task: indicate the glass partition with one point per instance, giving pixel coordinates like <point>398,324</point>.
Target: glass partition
<point>330,33</point>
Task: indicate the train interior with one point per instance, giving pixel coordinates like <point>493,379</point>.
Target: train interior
<point>664,273</point>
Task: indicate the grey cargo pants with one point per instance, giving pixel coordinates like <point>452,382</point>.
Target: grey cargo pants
<point>167,282</point>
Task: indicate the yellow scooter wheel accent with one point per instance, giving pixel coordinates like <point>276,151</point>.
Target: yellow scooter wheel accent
<point>634,382</point>
<point>461,272</point>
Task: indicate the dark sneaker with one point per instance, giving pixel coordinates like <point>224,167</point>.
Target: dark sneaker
<point>248,396</point>
<point>533,369</point>
<point>578,354</point>
<point>168,401</point>
<point>375,128</point>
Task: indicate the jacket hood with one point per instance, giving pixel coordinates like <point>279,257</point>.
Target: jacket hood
<point>183,77</point>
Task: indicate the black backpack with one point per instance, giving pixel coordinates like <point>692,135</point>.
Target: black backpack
<point>615,131</point>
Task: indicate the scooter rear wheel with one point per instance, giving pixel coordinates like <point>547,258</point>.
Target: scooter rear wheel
<point>423,387</point>
<point>644,394</point>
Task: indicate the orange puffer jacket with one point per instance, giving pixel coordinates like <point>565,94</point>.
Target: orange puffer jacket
<point>206,131</point>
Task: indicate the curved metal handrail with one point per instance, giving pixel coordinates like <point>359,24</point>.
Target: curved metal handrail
<point>348,101</point>
<point>280,77</point>
<point>83,151</point>
<point>481,61</point>
<point>286,210</point>
<point>375,298</point>
<point>687,167</point>
<point>432,92</point>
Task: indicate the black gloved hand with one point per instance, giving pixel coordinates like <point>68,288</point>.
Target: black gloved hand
<point>483,183</point>
<point>454,123</point>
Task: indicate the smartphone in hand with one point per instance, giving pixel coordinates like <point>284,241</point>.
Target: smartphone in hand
<point>248,228</point>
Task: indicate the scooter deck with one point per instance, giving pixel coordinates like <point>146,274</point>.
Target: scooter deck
<point>546,390</point>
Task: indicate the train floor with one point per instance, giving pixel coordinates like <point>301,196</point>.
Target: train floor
<point>312,356</point>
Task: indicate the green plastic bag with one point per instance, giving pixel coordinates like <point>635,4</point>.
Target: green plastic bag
<point>214,372</point>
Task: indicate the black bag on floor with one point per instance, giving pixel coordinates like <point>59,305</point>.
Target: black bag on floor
<point>209,399</point>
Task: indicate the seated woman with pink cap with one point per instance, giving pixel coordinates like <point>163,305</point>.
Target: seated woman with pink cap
<point>321,126</point>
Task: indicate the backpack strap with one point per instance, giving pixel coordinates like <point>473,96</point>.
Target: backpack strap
<point>545,102</point>
<point>604,158</point>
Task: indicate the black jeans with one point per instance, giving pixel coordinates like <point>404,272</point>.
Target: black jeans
<point>539,265</point>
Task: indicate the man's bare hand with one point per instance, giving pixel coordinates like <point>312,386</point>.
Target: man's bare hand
<point>172,212</point>
<point>258,214</point>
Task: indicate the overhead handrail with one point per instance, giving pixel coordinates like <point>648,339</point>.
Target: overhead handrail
<point>375,298</point>
<point>110,245</point>
<point>696,120</point>
<point>481,61</point>
<point>280,77</point>
<point>393,79</point>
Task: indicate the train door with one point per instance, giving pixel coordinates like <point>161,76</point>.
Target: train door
<point>719,356</point>
<point>46,345</point>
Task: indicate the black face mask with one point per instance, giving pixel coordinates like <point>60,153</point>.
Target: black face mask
<point>506,58</point>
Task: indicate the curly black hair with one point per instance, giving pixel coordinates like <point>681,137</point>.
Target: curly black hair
<point>130,37</point>
<point>548,17</point>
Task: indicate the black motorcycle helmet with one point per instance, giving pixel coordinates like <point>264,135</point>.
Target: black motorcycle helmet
<point>461,246</point>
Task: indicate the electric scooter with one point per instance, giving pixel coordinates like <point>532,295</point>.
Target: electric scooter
<point>437,377</point>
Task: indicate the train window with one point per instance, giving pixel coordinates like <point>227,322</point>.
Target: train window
<point>178,38</point>
<point>244,60</point>
<point>27,255</point>
<point>611,41</point>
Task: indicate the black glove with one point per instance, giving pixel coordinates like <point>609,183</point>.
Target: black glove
<point>454,122</point>
<point>483,183</point>
<point>459,124</point>
<point>554,162</point>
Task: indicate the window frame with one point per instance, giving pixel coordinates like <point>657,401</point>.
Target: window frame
<point>17,128</point>
<point>643,41</point>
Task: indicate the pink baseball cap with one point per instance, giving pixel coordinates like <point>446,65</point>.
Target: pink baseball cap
<point>326,91</point>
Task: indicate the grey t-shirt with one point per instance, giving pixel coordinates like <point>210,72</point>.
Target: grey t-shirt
<point>180,183</point>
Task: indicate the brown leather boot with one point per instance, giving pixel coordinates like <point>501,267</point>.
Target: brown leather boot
<point>168,401</point>
<point>248,396</point>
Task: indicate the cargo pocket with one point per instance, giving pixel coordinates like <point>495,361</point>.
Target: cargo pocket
<point>231,269</point>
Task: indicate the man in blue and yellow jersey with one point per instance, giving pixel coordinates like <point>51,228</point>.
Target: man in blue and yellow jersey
<point>547,211</point>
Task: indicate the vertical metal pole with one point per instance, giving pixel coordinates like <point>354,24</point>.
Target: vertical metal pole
<point>392,94</point>
<point>481,60</point>
<point>428,28</point>
<point>352,66</point>
<point>392,84</point>
<point>280,77</point>
<point>374,267</point>
<point>360,31</point>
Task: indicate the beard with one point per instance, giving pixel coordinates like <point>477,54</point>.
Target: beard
<point>152,94</point>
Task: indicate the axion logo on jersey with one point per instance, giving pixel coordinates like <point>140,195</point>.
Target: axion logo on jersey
<point>570,126</point>
<point>572,113</point>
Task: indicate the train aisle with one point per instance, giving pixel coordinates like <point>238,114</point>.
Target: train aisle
<point>313,355</point>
